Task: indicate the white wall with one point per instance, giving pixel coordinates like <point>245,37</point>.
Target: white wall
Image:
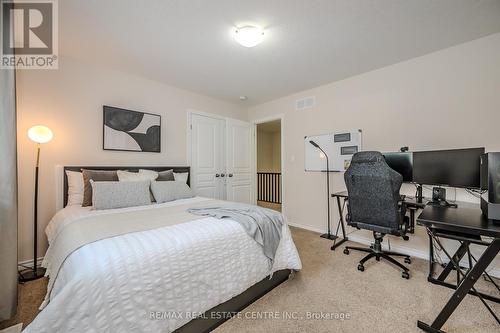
<point>447,99</point>
<point>69,101</point>
<point>276,156</point>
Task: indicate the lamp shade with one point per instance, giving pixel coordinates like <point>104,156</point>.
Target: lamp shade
<point>40,134</point>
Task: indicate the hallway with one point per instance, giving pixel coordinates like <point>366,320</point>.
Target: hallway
<point>269,181</point>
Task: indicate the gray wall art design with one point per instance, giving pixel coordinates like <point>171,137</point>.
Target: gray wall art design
<point>131,130</point>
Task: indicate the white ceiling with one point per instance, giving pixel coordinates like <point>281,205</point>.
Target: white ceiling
<point>188,43</point>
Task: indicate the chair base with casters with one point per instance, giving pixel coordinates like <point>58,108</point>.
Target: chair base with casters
<point>375,251</point>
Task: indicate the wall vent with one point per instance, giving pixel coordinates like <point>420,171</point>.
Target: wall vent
<point>305,103</point>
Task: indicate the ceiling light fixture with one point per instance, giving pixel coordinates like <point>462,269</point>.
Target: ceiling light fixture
<point>249,36</point>
<point>243,98</point>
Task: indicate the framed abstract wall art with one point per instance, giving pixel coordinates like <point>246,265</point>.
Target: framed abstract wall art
<point>128,130</point>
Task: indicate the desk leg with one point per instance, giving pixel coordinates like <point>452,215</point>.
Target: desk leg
<point>459,254</point>
<point>342,224</point>
<point>341,221</point>
<point>431,256</point>
<point>463,289</point>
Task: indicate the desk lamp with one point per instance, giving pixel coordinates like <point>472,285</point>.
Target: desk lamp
<point>328,235</point>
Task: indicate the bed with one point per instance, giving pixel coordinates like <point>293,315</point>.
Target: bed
<point>186,277</point>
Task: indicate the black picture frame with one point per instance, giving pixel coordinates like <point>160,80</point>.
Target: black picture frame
<point>148,145</point>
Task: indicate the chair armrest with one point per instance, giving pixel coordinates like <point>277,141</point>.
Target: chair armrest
<point>404,221</point>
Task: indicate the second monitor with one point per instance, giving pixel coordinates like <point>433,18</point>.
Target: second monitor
<point>402,162</point>
<point>454,167</point>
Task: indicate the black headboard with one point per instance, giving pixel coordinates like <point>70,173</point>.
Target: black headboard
<point>127,168</point>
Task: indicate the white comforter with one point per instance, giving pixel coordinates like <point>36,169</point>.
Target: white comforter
<point>156,280</point>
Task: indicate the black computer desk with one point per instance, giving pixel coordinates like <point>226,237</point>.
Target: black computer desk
<point>411,204</point>
<point>467,225</point>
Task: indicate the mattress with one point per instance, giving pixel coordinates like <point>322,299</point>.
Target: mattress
<point>155,280</point>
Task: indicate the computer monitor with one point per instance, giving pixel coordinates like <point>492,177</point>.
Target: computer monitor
<point>455,168</point>
<point>402,162</point>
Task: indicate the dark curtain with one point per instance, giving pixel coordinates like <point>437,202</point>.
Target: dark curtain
<point>8,195</point>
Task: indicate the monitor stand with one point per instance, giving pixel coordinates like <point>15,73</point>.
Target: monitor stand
<point>439,198</point>
<point>442,203</point>
<point>419,193</point>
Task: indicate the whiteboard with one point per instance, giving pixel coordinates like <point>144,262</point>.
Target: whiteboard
<point>339,146</point>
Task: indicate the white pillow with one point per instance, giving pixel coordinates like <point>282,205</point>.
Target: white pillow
<point>151,173</point>
<point>181,176</point>
<point>126,176</point>
<point>75,188</point>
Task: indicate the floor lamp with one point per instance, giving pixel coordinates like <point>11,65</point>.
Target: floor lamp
<point>328,235</point>
<point>38,134</point>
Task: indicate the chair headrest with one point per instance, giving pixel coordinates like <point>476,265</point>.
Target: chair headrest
<point>367,157</point>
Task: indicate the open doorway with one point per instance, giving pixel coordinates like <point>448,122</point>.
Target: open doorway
<point>269,175</point>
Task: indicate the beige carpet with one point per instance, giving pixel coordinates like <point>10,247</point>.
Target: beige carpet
<point>269,205</point>
<point>30,296</point>
<point>376,300</point>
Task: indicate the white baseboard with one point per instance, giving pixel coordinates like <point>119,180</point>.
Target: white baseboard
<point>416,253</point>
<point>29,263</point>
<point>306,227</point>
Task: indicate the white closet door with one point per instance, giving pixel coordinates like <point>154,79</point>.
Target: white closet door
<point>240,163</point>
<point>207,156</point>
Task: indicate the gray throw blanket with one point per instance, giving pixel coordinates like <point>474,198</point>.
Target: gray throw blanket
<point>262,224</point>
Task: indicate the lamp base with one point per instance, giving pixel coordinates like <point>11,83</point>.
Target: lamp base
<point>30,274</point>
<point>329,236</point>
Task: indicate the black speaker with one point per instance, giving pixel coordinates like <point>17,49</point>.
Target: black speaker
<point>490,176</point>
<point>490,182</point>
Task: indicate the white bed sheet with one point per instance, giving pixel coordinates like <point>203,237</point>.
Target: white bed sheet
<point>118,284</point>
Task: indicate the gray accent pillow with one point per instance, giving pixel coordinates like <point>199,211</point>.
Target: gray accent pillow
<point>95,175</point>
<point>109,195</point>
<point>170,191</point>
<point>167,175</point>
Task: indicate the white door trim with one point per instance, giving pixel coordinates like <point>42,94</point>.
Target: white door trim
<point>281,118</point>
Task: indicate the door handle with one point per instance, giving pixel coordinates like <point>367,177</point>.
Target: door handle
<point>217,175</point>
<point>223,175</point>
<point>230,175</point>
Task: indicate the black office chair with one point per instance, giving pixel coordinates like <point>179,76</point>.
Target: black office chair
<point>375,204</point>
